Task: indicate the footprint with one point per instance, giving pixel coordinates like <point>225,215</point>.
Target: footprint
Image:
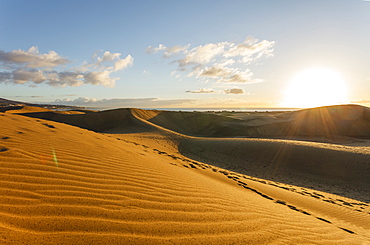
<point>317,194</point>
<point>241,182</point>
<point>281,202</point>
<point>48,125</point>
<point>293,208</point>
<point>329,201</point>
<point>327,221</point>
<point>259,193</point>
<point>5,138</point>
<point>349,231</point>
<point>304,192</point>
<point>347,204</point>
<point>2,149</point>
<point>304,212</point>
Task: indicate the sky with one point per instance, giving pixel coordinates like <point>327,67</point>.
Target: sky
<point>185,54</point>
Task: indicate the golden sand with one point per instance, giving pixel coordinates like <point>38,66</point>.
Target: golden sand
<point>140,183</point>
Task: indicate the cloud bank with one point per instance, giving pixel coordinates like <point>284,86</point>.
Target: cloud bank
<point>234,91</point>
<point>363,101</point>
<point>124,103</point>
<point>202,91</point>
<point>33,68</point>
<point>223,62</point>
<point>212,91</point>
<point>229,102</point>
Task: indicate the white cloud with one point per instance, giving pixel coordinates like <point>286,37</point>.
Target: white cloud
<point>22,76</point>
<point>217,71</point>
<point>32,58</point>
<point>234,91</point>
<point>240,77</point>
<point>202,54</point>
<point>202,91</point>
<point>223,62</point>
<point>153,50</point>
<point>107,56</point>
<point>227,74</point>
<point>168,51</point>
<point>251,49</point>
<point>175,49</point>
<point>123,63</point>
<point>100,78</point>
<point>228,62</point>
<point>115,58</point>
<point>32,68</point>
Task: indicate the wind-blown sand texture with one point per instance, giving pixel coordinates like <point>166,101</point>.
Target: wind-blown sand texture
<point>142,183</point>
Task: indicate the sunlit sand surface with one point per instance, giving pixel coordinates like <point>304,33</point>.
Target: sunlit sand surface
<point>132,176</point>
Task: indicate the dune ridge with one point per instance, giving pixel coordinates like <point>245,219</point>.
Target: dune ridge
<point>328,122</point>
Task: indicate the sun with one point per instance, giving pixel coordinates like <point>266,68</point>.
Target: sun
<point>315,87</point>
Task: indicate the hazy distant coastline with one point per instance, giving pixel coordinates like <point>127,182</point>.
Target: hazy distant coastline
<point>204,109</point>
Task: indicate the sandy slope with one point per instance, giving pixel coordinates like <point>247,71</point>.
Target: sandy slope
<point>61,184</point>
<point>339,169</point>
<point>334,168</point>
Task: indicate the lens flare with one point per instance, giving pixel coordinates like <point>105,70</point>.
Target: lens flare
<point>55,158</point>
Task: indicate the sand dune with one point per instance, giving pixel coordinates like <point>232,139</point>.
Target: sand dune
<point>324,167</point>
<point>141,183</point>
<point>333,168</point>
<point>329,123</point>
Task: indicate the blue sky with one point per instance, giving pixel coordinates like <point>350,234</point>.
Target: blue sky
<point>153,54</point>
